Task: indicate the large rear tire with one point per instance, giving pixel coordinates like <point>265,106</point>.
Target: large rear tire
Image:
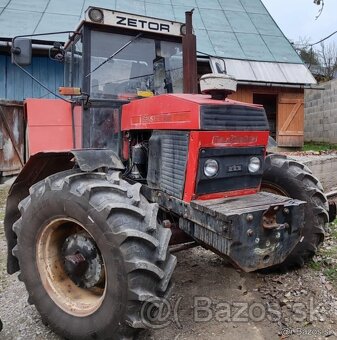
<point>287,177</point>
<point>110,218</point>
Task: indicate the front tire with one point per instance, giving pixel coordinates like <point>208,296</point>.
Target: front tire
<point>287,177</point>
<point>111,218</point>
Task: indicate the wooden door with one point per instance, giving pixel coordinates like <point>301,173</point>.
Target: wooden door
<point>290,120</point>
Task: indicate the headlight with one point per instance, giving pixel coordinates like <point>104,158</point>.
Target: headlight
<point>211,168</point>
<point>96,15</point>
<point>254,164</point>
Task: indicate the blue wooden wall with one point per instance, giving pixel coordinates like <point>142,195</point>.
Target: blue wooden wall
<point>16,85</point>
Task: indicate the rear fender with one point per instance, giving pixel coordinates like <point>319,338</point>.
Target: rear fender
<point>40,166</point>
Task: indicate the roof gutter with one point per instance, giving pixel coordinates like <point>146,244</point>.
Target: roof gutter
<point>266,84</point>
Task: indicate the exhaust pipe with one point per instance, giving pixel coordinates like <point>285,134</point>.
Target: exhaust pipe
<point>190,57</point>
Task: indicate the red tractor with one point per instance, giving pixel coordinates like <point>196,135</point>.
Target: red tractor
<point>114,179</point>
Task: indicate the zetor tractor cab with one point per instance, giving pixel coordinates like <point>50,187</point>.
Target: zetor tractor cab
<point>114,179</point>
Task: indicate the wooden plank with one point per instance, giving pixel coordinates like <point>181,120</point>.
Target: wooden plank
<point>291,133</point>
<point>288,100</point>
<point>290,141</point>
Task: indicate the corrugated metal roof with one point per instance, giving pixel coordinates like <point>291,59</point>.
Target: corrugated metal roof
<point>267,72</point>
<point>236,29</point>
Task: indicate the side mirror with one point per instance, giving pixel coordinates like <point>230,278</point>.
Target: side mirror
<point>21,51</point>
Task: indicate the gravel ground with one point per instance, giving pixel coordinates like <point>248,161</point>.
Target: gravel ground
<point>235,305</point>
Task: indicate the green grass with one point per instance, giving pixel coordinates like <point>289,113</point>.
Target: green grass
<point>333,227</point>
<point>312,146</point>
<point>331,274</point>
<point>315,265</point>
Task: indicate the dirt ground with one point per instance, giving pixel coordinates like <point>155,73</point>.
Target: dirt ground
<point>212,300</point>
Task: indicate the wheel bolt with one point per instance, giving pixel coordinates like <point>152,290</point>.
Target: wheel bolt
<point>249,217</point>
<point>250,232</point>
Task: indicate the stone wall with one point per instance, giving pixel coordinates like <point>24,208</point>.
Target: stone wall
<point>324,167</point>
<point>320,113</point>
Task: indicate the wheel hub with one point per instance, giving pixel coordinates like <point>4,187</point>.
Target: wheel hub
<point>82,261</point>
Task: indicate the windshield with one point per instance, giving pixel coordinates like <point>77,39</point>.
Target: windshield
<point>144,65</point>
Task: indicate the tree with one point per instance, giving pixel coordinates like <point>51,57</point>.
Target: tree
<point>321,61</point>
<point>306,52</point>
<point>309,56</point>
<point>328,60</point>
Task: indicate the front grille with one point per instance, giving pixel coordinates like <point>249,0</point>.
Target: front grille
<point>233,170</point>
<point>233,118</point>
<point>168,152</point>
